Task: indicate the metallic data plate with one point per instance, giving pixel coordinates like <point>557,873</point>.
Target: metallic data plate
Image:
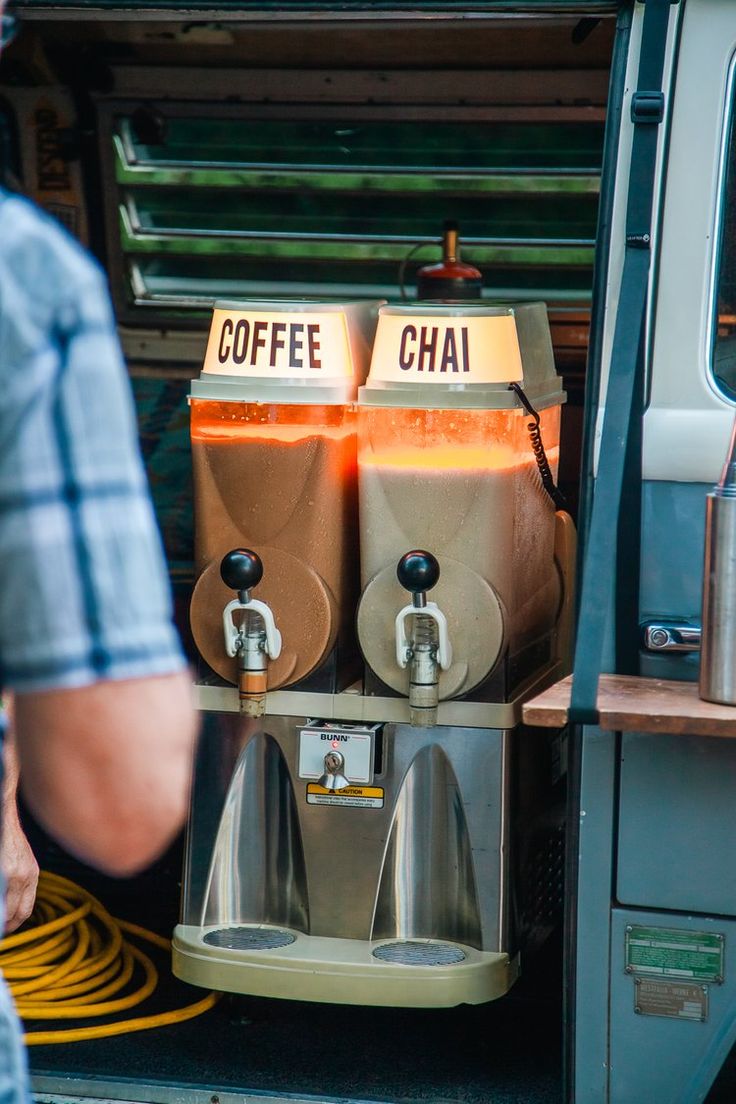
<point>680,1000</point>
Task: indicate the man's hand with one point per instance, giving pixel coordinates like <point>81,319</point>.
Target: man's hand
<point>19,868</point>
<point>17,861</point>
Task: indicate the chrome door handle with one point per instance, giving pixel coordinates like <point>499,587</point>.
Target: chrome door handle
<point>671,636</point>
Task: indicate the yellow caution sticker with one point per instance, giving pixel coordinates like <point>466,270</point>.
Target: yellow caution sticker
<point>356,797</point>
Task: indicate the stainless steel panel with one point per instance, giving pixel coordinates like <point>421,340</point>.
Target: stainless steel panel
<point>432,863</point>
<point>428,884</point>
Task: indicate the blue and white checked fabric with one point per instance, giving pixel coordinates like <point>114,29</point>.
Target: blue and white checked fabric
<point>83,588</point>
<point>14,1086</point>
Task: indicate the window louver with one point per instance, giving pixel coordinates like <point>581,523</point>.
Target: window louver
<point>228,207</point>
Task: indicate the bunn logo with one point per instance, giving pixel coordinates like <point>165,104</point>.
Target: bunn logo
<point>334,736</point>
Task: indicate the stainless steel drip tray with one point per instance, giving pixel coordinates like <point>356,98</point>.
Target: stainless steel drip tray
<point>248,938</point>
<point>267,961</point>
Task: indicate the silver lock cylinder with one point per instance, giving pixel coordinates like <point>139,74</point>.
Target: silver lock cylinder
<point>334,776</point>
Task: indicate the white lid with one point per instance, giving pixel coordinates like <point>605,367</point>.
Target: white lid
<point>439,345</point>
<point>290,351</point>
<point>460,355</point>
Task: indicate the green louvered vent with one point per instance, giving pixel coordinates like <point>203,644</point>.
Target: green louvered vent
<point>239,206</point>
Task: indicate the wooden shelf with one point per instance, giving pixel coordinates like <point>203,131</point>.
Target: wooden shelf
<point>630,704</point>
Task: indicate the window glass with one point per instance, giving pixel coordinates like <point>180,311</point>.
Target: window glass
<point>724,330</point>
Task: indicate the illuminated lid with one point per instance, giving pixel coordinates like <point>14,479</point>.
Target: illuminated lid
<point>439,355</point>
<point>286,351</point>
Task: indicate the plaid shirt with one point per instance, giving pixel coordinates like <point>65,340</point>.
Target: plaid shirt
<point>83,589</point>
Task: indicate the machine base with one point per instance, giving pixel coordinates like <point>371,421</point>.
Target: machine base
<point>342,971</point>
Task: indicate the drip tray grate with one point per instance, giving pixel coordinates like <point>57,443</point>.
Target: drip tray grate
<point>249,939</point>
<point>412,953</point>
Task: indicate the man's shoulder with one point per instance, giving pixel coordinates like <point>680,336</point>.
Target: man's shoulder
<point>39,254</point>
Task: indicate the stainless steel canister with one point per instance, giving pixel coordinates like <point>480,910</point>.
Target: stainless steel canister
<point>718,649</point>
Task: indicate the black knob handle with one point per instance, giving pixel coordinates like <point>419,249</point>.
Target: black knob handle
<point>241,569</point>
<point>417,571</point>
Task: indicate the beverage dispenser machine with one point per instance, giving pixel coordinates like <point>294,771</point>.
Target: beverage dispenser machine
<point>391,834</point>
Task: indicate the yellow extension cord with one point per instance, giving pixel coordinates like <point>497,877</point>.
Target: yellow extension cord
<point>71,961</point>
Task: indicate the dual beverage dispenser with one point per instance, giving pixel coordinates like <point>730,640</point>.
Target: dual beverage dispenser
<point>382,578</point>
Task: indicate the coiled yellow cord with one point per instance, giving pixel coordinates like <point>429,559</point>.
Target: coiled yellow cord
<point>72,958</point>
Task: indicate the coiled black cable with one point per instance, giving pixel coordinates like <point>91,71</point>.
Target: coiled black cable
<point>535,434</point>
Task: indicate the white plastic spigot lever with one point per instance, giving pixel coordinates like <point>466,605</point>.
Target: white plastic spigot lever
<point>403,644</point>
<point>272,645</point>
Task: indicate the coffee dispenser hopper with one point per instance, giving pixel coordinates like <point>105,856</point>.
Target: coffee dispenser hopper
<point>274,472</point>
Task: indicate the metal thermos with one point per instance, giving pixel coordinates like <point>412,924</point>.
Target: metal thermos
<point>718,649</point>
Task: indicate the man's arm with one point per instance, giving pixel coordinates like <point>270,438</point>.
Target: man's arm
<point>104,718</point>
<point>105,768</point>
<point>17,861</point>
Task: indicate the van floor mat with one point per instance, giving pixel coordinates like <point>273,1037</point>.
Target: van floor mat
<point>507,1051</point>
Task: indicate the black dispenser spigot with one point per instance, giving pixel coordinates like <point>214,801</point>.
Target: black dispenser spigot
<point>422,641</point>
<point>256,639</point>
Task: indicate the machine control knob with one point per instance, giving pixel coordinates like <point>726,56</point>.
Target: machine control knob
<point>418,571</point>
<point>241,569</point>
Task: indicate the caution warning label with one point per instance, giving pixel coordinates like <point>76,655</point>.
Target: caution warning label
<point>356,797</point>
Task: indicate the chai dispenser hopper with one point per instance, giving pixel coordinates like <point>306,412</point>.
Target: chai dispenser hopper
<point>273,446</point>
<point>402,845</point>
<point>450,465</point>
